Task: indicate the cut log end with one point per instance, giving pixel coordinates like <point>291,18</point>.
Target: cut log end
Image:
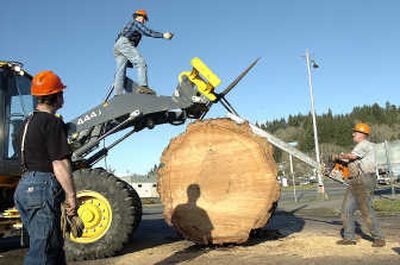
<point>218,182</point>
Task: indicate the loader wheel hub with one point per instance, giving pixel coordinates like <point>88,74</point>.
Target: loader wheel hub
<point>96,214</point>
<point>90,215</point>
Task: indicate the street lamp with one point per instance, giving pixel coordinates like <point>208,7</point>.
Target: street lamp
<point>321,188</point>
<point>294,144</point>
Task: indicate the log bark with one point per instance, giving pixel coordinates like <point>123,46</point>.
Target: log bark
<point>217,182</point>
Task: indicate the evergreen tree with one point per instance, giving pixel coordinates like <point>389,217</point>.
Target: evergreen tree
<point>334,131</point>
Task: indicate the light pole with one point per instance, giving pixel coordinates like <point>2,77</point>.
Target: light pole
<point>294,144</point>
<point>321,188</point>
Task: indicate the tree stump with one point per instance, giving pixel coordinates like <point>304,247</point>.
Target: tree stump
<point>217,182</point>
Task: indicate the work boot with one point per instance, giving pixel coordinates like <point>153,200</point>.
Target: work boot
<point>379,243</point>
<point>346,242</point>
<point>145,90</point>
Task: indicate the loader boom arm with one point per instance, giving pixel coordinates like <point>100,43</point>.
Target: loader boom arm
<point>192,99</point>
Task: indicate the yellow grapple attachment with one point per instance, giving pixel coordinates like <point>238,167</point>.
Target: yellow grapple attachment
<point>202,76</point>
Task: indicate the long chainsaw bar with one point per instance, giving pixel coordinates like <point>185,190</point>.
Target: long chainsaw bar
<point>284,146</point>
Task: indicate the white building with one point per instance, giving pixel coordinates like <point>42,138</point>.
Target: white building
<point>146,187</point>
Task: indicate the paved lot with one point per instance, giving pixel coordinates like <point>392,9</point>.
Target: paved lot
<point>299,233</point>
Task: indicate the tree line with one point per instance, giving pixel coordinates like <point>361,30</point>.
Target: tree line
<point>334,131</point>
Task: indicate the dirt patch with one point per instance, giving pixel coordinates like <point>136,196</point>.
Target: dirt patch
<point>300,248</point>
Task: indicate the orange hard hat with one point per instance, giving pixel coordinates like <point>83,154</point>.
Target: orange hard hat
<point>362,128</point>
<point>46,83</point>
<point>141,12</point>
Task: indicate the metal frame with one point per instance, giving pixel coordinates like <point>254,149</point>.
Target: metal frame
<point>139,111</point>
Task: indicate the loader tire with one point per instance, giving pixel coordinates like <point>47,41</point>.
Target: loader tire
<point>111,211</point>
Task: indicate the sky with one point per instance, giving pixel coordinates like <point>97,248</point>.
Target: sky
<point>356,44</point>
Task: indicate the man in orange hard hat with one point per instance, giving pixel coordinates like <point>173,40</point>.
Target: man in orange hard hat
<point>47,177</point>
<point>361,188</point>
<point>125,50</point>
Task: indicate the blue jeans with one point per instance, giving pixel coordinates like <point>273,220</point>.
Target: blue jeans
<point>38,198</point>
<point>124,51</point>
<point>359,196</point>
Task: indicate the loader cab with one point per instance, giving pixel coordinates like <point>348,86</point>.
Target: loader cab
<point>16,103</point>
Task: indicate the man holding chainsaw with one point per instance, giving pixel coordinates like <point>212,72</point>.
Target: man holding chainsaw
<point>126,52</point>
<point>359,194</point>
<point>46,179</point>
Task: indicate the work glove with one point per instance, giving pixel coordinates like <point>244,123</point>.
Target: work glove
<point>168,35</point>
<point>71,224</point>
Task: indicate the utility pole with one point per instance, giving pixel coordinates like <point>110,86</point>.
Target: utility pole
<point>292,173</point>
<point>321,188</point>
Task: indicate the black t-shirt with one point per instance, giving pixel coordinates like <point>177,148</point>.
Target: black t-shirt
<point>45,141</point>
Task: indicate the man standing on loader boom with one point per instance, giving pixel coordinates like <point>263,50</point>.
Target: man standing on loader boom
<point>359,194</point>
<point>47,177</point>
<point>125,49</point>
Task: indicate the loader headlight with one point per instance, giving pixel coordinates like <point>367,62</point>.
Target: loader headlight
<point>17,68</point>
